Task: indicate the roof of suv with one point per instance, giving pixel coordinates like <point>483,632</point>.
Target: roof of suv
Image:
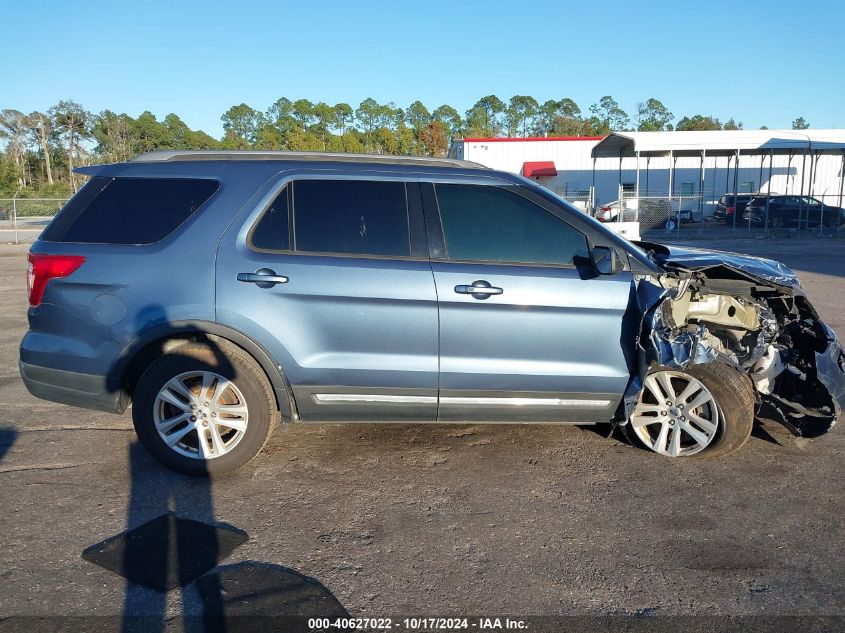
<point>259,155</point>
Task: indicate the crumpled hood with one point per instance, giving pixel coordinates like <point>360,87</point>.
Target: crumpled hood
<point>684,257</point>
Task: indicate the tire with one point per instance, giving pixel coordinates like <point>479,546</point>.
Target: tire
<point>671,224</point>
<point>245,401</point>
<point>732,409</point>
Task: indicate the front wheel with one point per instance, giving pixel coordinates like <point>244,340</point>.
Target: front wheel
<point>204,408</point>
<point>671,224</point>
<point>705,411</point>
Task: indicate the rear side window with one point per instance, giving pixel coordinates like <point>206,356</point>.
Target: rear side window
<point>129,210</point>
<point>272,232</point>
<point>485,223</point>
<point>355,217</point>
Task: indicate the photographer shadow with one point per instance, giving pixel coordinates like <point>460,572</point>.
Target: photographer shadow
<point>174,542</point>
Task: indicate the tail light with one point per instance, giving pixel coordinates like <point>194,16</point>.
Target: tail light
<point>729,210</point>
<point>605,209</point>
<point>43,268</point>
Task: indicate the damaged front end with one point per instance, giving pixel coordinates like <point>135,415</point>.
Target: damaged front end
<point>751,314</point>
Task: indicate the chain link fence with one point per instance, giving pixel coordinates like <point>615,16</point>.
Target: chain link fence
<point>581,198</point>
<point>23,219</point>
<point>661,214</point>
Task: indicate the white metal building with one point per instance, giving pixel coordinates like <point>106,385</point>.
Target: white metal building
<point>563,164</point>
<point>699,166</point>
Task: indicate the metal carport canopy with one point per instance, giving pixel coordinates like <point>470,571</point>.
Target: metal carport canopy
<point>719,143</point>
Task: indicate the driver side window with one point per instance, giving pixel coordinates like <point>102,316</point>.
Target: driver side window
<point>491,224</point>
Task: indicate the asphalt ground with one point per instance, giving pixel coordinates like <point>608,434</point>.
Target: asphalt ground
<point>438,520</point>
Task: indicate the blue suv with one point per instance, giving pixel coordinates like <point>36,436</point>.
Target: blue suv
<point>223,294</point>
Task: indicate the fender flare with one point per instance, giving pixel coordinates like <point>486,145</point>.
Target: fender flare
<point>119,374</point>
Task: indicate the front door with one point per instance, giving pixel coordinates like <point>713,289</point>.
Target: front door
<point>331,275</point>
<point>527,331</point>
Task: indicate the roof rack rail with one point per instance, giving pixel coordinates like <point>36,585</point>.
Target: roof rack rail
<point>185,155</point>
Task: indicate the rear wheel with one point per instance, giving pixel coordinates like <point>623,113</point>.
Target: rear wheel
<point>705,411</point>
<point>204,408</point>
<point>671,224</point>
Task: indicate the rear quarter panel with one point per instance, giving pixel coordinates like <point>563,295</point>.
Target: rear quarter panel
<point>86,320</point>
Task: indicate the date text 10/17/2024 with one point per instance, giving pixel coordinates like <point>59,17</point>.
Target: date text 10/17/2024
<point>317,625</point>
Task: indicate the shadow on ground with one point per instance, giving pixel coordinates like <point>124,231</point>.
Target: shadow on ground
<point>7,438</point>
<point>170,553</point>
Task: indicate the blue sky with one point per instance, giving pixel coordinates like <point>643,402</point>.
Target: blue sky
<point>762,62</point>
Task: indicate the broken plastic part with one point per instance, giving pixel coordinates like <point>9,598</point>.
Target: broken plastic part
<point>767,369</point>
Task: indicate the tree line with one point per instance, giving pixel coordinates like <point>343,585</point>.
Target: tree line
<point>41,149</point>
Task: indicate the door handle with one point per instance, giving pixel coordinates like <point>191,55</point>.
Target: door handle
<point>479,289</point>
<point>263,278</point>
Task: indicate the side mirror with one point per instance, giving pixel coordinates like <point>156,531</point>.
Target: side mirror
<point>606,261</point>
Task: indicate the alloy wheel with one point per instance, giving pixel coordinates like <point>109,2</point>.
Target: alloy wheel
<point>676,414</point>
<point>200,414</point>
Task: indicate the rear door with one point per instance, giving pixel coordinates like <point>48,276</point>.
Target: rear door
<point>348,309</point>
<point>528,332</point>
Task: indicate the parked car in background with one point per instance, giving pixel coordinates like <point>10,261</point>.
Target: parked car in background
<point>792,212</point>
<point>616,212</point>
<point>730,206</point>
<point>651,213</point>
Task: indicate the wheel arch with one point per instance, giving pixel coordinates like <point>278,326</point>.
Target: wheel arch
<point>159,340</point>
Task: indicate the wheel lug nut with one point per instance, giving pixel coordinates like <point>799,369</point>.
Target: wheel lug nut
<point>193,418</point>
<point>213,414</point>
<point>662,413</point>
<point>680,406</point>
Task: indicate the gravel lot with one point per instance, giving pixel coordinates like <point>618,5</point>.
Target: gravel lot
<point>436,519</point>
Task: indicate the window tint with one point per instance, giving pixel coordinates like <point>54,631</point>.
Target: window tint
<point>356,217</point>
<point>129,210</point>
<point>482,223</point>
<point>272,231</point>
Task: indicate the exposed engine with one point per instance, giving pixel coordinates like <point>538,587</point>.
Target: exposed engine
<point>761,324</point>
